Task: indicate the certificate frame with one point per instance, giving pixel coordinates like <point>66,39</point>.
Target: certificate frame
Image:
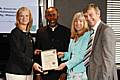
<point>49,59</point>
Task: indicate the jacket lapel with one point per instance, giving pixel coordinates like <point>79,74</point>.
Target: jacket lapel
<point>97,35</point>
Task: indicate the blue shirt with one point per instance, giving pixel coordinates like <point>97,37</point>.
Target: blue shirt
<point>76,53</point>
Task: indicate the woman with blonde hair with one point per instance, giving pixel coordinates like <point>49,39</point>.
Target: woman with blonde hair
<point>80,35</point>
<point>20,62</point>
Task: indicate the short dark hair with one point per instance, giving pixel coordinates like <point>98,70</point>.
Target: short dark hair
<point>51,8</point>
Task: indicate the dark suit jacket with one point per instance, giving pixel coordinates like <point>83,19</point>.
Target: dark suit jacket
<point>47,39</point>
<point>102,60</point>
<point>21,53</point>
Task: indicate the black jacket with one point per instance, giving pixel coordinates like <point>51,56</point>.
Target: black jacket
<point>47,39</point>
<point>21,53</point>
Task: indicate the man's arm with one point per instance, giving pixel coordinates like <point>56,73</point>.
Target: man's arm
<point>108,43</point>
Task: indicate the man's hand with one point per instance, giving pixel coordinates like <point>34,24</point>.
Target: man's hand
<point>37,52</point>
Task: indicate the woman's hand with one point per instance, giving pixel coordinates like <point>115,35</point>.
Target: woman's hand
<point>37,67</point>
<point>60,54</point>
<point>61,66</point>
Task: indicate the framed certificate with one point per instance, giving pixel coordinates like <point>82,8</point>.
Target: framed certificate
<point>49,59</point>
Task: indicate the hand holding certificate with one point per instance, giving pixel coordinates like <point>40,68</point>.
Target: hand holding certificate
<point>49,59</point>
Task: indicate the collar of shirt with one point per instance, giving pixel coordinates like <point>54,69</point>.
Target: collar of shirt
<point>95,29</point>
<point>96,26</point>
<point>53,28</point>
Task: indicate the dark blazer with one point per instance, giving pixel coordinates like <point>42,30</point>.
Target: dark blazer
<point>58,39</point>
<point>102,60</point>
<point>48,39</point>
<point>21,53</point>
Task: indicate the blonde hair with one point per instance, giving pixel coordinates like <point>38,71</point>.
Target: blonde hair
<point>29,25</point>
<point>78,16</point>
<point>90,6</point>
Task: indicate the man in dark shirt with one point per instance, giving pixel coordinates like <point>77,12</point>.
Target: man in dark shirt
<point>52,36</point>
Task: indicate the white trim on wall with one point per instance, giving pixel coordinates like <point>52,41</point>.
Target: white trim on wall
<point>113,20</point>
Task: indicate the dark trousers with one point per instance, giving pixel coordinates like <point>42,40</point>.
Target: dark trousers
<point>52,75</point>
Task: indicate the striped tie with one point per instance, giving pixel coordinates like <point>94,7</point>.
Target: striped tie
<point>89,49</point>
